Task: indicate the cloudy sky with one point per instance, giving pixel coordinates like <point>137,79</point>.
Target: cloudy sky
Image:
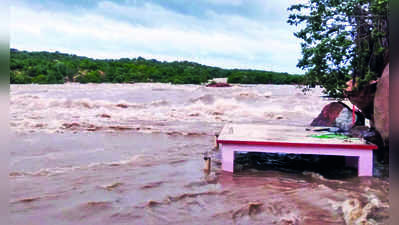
<point>226,33</point>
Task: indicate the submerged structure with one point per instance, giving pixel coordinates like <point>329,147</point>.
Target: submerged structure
<point>294,140</point>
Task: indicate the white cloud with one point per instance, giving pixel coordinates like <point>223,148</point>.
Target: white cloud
<point>225,2</point>
<point>229,41</point>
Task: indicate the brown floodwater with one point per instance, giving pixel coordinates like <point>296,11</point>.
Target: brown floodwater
<point>133,154</point>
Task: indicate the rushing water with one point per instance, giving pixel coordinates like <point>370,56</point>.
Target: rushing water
<point>133,154</point>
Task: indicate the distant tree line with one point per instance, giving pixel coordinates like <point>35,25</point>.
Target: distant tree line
<point>57,68</point>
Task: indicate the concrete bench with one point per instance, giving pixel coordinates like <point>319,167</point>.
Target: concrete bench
<point>291,140</point>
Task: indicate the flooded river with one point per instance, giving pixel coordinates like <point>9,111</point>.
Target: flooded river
<point>133,154</point>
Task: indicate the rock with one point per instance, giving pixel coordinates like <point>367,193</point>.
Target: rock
<point>369,134</point>
<point>363,99</point>
<point>381,105</point>
<point>337,114</point>
<point>218,85</point>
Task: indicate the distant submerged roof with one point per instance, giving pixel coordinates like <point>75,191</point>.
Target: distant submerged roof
<point>219,80</point>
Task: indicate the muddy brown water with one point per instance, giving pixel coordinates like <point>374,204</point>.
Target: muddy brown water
<point>133,154</point>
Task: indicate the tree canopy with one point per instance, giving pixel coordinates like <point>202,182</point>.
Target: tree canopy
<point>342,40</point>
<point>56,68</point>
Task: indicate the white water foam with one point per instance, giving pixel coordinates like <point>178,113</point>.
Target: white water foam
<point>120,107</point>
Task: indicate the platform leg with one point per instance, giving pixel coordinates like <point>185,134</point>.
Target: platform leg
<point>365,166</point>
<point>227,159</point>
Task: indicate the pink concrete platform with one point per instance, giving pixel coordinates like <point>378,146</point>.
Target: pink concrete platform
<point>292,140</point>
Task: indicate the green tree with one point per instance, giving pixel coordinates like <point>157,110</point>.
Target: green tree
<point>40,79</point>
<point>61,68</point>
<point>235,78</point>
<point>93,77</point>
<point>52,77</point>
<point>70,70</point>
<point>342,39</point>
<point>21,78</point>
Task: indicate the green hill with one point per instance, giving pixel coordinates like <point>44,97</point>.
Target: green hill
<point>57,68</point>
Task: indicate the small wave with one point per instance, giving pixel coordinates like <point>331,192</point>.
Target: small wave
<point>250,209</point>
<point>253,94</point>
<point>43,172</point>
<point>122,128</point>
<point>152,185</point>
<point>112,186</point>
<point>207,99</point>
<point>27,200</point>
<point>193,195</point>
<point>137,160</point>
<point>159,103</point>
<point>177,161</point>
<point>15,174</point>
<point>34,199</point>
<point>88,208</point>
<point>120,105</point>
<point>153,203</point>
<point>77,213</point>
<point>178,133</point>
<point>170,199</point>
<point>100,204</point>
<point>209,180</point>
<point>356,212</point>
<point>104,115</point>
<point>73,125</point>
<point>194,114</point>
